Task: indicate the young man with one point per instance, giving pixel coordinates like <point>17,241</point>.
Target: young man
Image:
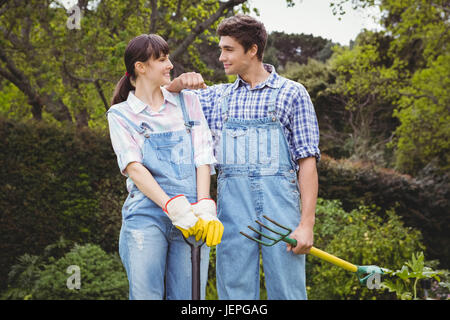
<point>266,140</point>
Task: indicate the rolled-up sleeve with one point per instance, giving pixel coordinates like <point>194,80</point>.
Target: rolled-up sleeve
<point>125,147</point>
<point>201,135</point>
<point>305,126</point>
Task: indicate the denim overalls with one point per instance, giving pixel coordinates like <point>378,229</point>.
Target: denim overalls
<point>153,250</point>
<point>256,176</point>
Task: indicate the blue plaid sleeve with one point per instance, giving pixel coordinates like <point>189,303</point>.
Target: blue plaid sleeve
<point>209,99</point>
<point>305,127</point>
<point>206,97</point>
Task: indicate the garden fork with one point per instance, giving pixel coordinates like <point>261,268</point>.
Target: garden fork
<point>364,273</point>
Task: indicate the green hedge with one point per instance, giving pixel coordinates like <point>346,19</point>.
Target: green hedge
<point>101,276</point>
<point>422,204</point>
<point>359,236</point>
<point>66,182</point>
<point>362,237</point>
<point>56,182</point>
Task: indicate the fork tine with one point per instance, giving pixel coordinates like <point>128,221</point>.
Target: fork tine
<point>248,236</point>
<point>254,239</point>
<point>277,224</point>
<point>262,234</point>
<point>270,229</point>
<point>275,240</point>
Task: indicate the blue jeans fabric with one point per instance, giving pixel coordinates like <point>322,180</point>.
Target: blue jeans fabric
<point>257,177</point>
<point>155,256</point>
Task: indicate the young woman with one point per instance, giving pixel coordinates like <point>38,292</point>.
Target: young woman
<point>164,148</point>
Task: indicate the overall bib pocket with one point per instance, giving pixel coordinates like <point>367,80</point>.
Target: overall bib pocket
<point>235,145</point>
<point>176,154</point>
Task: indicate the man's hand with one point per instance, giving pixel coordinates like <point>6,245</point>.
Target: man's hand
<point>304,235</point>
<point>189,80</point>
<point>308,182</point>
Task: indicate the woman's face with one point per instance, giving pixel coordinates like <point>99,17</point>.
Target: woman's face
<point>157,71</point>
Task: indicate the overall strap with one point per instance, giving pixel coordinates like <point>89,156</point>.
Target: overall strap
<point>225,101</point>
<point>187,121</point>
<point>274,95</point>
<point>120,114</point>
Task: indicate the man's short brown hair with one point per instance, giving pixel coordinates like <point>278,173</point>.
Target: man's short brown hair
<point>246,30</point>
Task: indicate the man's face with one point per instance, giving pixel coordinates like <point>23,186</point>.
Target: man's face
<point>233,56</point>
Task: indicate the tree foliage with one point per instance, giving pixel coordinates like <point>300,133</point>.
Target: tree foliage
<point>49,72</point>
<point>353,96</point>
<point>283,48</point>
<point>361,237</point>
<point>70,74</point>
<point>46,277</point>
<point>363,84</point>
<point>417,63</point>
<point>424,112</point>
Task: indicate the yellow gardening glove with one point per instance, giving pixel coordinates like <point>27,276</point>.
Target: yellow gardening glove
<point>206,210</point>
<point>180,212</point>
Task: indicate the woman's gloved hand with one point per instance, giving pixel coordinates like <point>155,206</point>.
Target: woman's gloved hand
<point>181,214</point>
<point>206,210</point>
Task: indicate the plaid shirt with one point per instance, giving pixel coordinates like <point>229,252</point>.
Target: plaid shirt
<point>294,110</point>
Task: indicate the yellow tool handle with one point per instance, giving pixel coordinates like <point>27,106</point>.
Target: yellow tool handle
<point>333,259</point>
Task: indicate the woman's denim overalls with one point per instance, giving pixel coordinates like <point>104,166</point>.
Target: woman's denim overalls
<point>256,176</point>
<point>153,250</point>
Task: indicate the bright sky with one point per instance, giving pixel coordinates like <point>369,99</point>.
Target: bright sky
<point>315,17</point>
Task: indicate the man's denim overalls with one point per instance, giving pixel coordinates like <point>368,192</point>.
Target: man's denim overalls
<point>256,176</point>
<point>153,250</point>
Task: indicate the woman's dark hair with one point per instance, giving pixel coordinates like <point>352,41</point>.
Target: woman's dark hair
<point>246,30</point>
<point>141,48</point>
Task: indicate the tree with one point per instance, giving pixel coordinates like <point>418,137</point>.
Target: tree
<point>67,75</point>
<point>296,48</point>
<point>23,52</point>
<point>420,27</point>
<point>418,50</point>
<point>423,137</point>
<point>352,96</point>
<point>364,86</point>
